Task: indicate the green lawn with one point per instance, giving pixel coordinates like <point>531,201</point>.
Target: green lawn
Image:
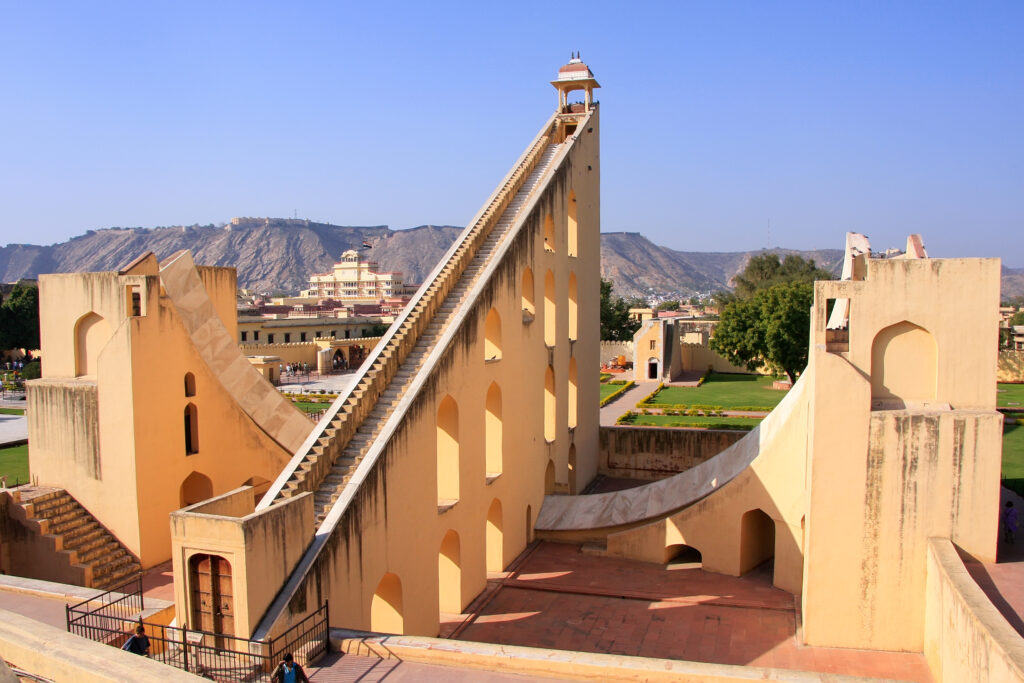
<point>727,391</point>
<point>310,407</point>
<point>682,421</point>
<point>12,411</point>
<point>14,464</point>
<point>608,389</point>
<point>1013,457</point>
<point>1010,395</point>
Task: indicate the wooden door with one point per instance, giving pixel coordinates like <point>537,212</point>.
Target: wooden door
<point>213,606</point>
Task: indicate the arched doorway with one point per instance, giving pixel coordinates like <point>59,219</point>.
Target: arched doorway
<point>757,540</point>
<point>682,556</point>
<point>91,334</point>
<point>549,404</point>
<point>529,309</point>
<point>449,574</point>
<point>495,538</point>
<point>493,444</point>
<point>572,469</point>
<point>448,452</point>
<point>492,336</point>
<point>213,607</point>
<point>652,368</point>
<point>529,524</point>
<point>904,365</point>
<point>549,478</point>
<point>196,488</point>
<point>386,606</point>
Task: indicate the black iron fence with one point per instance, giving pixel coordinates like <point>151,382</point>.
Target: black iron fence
<point>112,617</point>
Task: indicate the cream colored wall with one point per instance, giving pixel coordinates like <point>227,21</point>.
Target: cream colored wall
<point>108,490</point>
<point>966,638</point>
<point>772,483</point>
<point>296,326</point>
<point>884,481</point>
<point>394,524</point>
<point>58,655</point>
<point>700,358</point>
<point>140,402</point>
<point>261,549</point>
<point>303,352</point>
<point>650,333</point>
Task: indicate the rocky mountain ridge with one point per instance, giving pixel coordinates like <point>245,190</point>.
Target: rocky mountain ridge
<point>273,254</point>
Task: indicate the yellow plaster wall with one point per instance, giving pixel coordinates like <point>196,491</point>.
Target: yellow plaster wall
<point>262,549</point>
<point>133,407</point>
<point>966,638</point>
<point>394,525</point>
<point>882,482</point>
<point>60,656</point>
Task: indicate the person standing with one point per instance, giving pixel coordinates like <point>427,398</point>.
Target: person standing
<point>1009,522</point>
<point>289,672</point>
<point>139,643</point>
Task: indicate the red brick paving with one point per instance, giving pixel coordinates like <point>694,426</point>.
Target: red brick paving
<point>561,598</point>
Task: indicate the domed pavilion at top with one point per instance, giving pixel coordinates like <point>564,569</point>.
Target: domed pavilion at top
<point>575,76</point>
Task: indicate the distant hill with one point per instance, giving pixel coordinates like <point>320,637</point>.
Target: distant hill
<point>638,267</point>
<point>275,254</point>
<point>269,254</point>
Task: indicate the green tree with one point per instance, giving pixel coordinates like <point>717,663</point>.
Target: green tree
<point>615,322</point>
<point>768,328</point>
<point>765,270</point>
<point>19,319</point>
<point>1017,319</point>
<point>668,306</point>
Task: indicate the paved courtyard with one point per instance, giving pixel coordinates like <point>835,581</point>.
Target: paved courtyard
<point>562,598</point>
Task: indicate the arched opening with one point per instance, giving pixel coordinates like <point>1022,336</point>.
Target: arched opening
<point>549,478</point>
<point>904,361</point>
<point>91,333</point>
<point>386,606</point>
<point>529,309</point>
<point>549,234</point>
<point>213,604</point>
<point>652,368</point>
<point>494,538</point>
<point>196,488</point>
<point>683,556</point>
<point>449,574</point>
<point>191,423</point>
<point>447,452</point>
<point>493,446</point>
<point>492,336</point>
<point>757,539</point>
<point>190,384</point>
<point>549,404</point>
<point>550,321</point>
<point>571,229</point>
<point>529,524</point>
<point>572,469</point>
<point>573,407</point>
<point>573,311</point>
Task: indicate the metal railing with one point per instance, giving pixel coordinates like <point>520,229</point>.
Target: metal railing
<point>217,656</point>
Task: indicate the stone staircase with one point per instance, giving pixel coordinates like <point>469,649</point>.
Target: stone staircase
<point>77,539</point>
<point>327,476</point>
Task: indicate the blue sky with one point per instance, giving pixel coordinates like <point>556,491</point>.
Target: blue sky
<point>885,118</point>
